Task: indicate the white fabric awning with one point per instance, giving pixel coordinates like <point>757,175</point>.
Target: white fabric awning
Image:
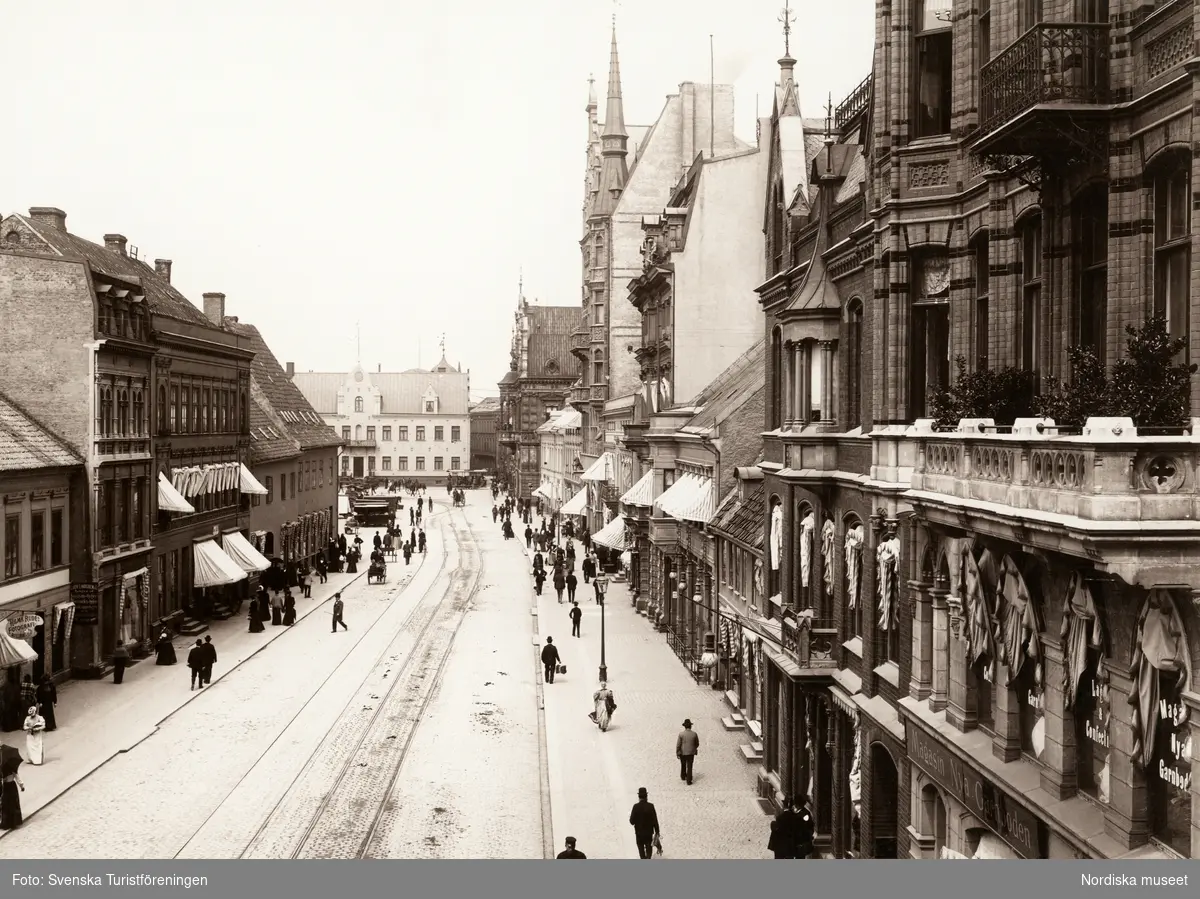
<point>170,499</point>
<point>14,651</point>
<point>242,552</point>
<point>601,469</point>
<point>576,505</point>
<point>612,535</point>
<point>212,567</point>
<point>540,490</point>
<point>641,493</point>
<point>699,505</point>
<point>249,483</point>
<point>676,495</point>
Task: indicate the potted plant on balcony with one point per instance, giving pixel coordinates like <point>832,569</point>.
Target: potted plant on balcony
<point>1151,385</point>
<point>1002,394</point>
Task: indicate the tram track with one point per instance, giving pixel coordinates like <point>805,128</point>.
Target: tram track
<point>339,804</point>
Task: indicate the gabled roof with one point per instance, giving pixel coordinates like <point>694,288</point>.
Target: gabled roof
<point>549,352</point>
<point>486,406</point>
<point>27,445</point>
<point>161,297</point>
<point>269,440</point>
<point>741,520</point>
<point>733,387</point>
<point>280,398</point>
<point>401,392</point>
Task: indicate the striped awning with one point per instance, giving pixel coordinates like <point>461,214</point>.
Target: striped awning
<point>211,567</point>
<point>542,491</point>
<point>641,493</point>
<point>600,470</point>
<point>248,483</point>
<point>689,499</point>
<point>612,535</point>
<point>576,505</point>
<point>170,499</point>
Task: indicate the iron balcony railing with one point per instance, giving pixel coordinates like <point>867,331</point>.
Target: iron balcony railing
<point>850,108</point>
<point>1051,62</point>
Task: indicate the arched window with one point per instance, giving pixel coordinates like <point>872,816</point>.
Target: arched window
<point>163,412</point>
<point>1171,189</point>
<point>104,423</point>
<point>175,409</point>
<point>122,428</point>
<point>933,818</point>
<point>778,376</point>
<point>269,544</point>
<point>139,413</point>
<point>854,365</point>
<point>1089,259</point>
<point>358,404</point>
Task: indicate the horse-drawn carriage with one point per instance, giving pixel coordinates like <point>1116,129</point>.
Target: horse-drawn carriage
<point>377,572</point>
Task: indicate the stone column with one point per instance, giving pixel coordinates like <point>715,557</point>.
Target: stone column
<point>1059,761</point>
<point>961,709</point>
<point>1126,817</point>
<point>827,394</point>
<point>788,379</point>
<point>920,682</point>
<point>803,383</point>
<point>1006,717</point>
<point>940,637</point>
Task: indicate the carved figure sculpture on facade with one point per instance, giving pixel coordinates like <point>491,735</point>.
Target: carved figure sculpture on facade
<point>808,527</point>
<point>855,779</point>
<point>828,535</point>
<point>1160,647</point>
<point>776,549</point>
<point>887,560</point>
<point>853,550</point>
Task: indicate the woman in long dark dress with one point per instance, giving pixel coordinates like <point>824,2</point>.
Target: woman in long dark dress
<point>164,650</point>
<point>47,698</point>
<point>352,562</point>
<point>10,800</point>
<point>256,625</point>
<point>289,610</point>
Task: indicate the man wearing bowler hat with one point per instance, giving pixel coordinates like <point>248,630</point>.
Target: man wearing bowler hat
<point>686,747</point>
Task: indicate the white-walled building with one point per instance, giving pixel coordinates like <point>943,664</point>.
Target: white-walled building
<point>409,425</point>
<point>561,443</point>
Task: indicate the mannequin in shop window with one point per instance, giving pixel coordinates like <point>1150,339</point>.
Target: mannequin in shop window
<point>776,545</point>
<point>808,527</point>
<point>828,535</point>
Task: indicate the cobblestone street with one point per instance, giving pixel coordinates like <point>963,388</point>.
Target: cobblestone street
<point>415,734</point>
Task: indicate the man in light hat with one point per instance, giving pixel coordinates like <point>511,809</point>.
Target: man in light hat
<point>686,747</point>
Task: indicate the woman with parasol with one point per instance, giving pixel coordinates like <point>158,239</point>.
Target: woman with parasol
<point>11,787</point>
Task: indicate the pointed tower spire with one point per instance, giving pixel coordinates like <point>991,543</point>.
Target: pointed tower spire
<point>614,139</point>
<point>592,105</point>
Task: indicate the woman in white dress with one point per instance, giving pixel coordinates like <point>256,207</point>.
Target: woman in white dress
<point>35,727</point>
<point>604,705</point>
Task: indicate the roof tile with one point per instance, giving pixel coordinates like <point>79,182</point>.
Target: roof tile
<point>26,444</point>
<point>741,520</point>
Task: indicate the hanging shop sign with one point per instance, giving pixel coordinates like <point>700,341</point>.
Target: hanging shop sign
<point>22,625</point>
<point>1012,822</point>
<point>86,597</point>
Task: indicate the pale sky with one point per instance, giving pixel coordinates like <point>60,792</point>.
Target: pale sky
<point>390,163</point>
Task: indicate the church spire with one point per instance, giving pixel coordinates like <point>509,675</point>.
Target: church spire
<point>614,139</point>
<point>592,105</point>
<point>786,100</point>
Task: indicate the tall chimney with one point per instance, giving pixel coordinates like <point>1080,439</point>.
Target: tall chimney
<point>291,369</point>
<point>49,215</point>
<point>214,308</point>
<point>116,243</point>
<point>163,267</point>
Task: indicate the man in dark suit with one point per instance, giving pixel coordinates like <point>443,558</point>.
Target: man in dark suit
<point>571,851</point>
<point>550,659</point>
<point>645,824</point>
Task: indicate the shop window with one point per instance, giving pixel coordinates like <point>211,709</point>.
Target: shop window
<point>1090,262</point>
<point>1029,319</point>
<point>933,68</point>
<point>930,333</point>
<point>1168,776</point>
<point>56,538</point>
<point>37,541</point>
<point>1172,242</point>
<point>1031,707</point>
<point>980,261</point>
<point>358,404</point>
<point>1091,718</point>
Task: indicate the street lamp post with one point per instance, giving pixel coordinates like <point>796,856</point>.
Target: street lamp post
<point>601,589</point>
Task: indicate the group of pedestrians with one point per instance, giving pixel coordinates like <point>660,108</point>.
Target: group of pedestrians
<point>200,661</point>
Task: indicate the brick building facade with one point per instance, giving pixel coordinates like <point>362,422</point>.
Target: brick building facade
<point>485,419</point>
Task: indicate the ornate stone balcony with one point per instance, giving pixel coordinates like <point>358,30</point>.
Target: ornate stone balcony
<point>599,393</point>
<point>360,444</point>
<point>1052,81</point>
<point>580,340</point>
<point>579,396</point>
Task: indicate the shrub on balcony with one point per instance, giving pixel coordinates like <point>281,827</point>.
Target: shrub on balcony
<point>1002,394</point>
<point>1149,385</point>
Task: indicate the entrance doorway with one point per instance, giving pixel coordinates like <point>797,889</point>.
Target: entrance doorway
<point>884,802</point>
<point>358,466</point>
<point>38,643</point>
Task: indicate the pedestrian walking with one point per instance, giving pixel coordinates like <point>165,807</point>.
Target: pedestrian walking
<point>10,783</point>
<point>550,660</point>
<point>277,609</point>
<point>589,569</point>
<point>570,851</point>
<point>47,699</point>
<point>576,617</point>
<point>429,499</point>
<point>539,578</point>
<point>305,584</point>
<point>120,659</point>
<point>495,513</point>
<point>422,543</point>
<point>28,692</point>
<point>35,727</point>
<point>407,552</point>
<point>572,583</point>
<point>560,583</point>
<point>377,541</point>
<point>687,746</point>
<point>164,650</point>
<point>787,830</point>
<point>255,617</point>
<point>210,659</point>
<point>195,662</point>
<point>322,569</point>
<point>603,706</point>
<point>538,562</point>
<point>805,828</point>
<point>412,517</point>
<point>338,609</point>
<point>528,537</point>
<point>644,819</point>
<point>289,611</point>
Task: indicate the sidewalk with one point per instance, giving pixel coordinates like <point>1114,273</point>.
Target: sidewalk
<point>98,719</point>
<point>594,776</point>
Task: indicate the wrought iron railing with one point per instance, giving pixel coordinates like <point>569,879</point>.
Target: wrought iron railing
<point>854,105</point>
<point>681,645</point>
<point>1051,62</point>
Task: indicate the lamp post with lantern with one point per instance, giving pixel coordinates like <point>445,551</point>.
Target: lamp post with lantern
<point>601,589</point>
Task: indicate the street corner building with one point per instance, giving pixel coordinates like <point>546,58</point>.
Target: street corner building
<point>412,425</point>
<point>946,584</point>
<point>292,480</point>
<point>104,352</point>
<point>541,369</point>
